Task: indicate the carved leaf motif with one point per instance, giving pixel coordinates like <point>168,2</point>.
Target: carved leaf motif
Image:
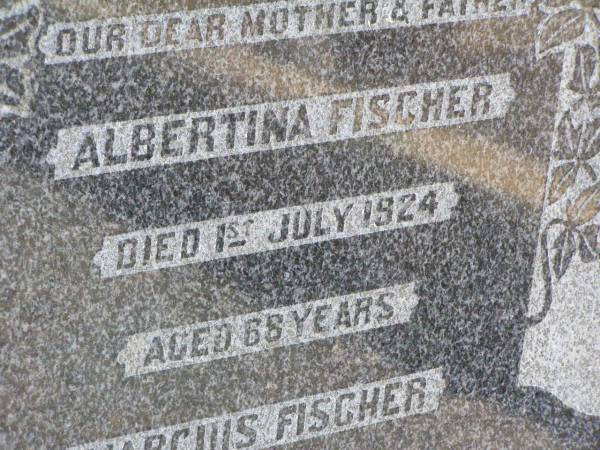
<point>585,76</point>
<point>582,142</point>
<point>586,3</point>
<point>588,243</point>
<point>563,177</point>
<point>585,207</point>
<point>563,3</point>
<point>17,31</point>
<point>556,3</point>
<point>568,138</point>
<point>10,86</point>
<point>558,29</point>
<point>592,146</point>
<point>564,245</point>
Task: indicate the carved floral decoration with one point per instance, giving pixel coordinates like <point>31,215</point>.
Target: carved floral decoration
<point>573,27</point>
<point>19,28</point>
<point>577,143</point>
<point>567,23</point>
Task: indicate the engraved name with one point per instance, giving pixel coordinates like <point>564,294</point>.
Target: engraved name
<point>294,420</point>
<point>119,146</point>
<point>154,249</point>
<point>185,30</point>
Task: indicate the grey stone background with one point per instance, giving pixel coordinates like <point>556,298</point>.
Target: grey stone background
<point>61,326</point>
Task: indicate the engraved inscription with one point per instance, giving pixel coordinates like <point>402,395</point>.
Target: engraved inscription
<point>295,420</point>
<point>184,30</point>
<point>155,249</point>
<point>263,330</point>
<point>119,146</point>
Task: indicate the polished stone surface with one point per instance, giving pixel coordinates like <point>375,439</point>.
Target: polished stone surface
<point>512,323</point>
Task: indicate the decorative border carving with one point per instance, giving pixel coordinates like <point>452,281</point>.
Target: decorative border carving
<point>19,30</point>
<point>572,200</point>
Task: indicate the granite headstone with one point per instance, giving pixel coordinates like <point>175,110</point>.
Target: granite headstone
<point>308,224</point>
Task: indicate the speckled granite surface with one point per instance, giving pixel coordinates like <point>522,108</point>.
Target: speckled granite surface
<point>62,325</point>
